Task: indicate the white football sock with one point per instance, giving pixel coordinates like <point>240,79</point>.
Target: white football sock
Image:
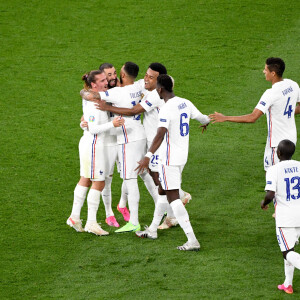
<point>124,195</point>
<point>79,197</point>
<point>181,193</point>
<point>293,258</point>
<point>106,197</point>
<point>160,209</point>
<point>151,187</point>
<point>170,213</point>
<point>133,200</point>
<point>182,217</point>
<point>93,200</point>
<point>289,273</point>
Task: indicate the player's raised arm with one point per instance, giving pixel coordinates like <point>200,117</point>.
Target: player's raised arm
<point>250,118</point>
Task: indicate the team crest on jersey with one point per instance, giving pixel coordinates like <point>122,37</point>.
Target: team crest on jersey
<point>91,119</point>
<point>148,103</point>
<point>262,103</point>
<point>163,120</point>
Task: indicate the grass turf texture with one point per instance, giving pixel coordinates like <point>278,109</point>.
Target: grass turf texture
<point>216,51</point>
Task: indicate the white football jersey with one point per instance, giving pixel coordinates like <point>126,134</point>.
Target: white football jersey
<point>127,97</point>
<point>175,115</point>
<point>278,103</point>
<point>284,179</point>
<point>96,117</point>
<point>152,103</point>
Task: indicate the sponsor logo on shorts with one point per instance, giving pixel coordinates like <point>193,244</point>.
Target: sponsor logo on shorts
<point>101,172</point>
<point>92,119</point>
<point>262,103</point>
<point>163,120</point>
<point>148,103</point>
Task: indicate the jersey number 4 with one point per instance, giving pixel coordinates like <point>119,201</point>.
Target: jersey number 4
<point>295,182</point>
<point>288,108</point>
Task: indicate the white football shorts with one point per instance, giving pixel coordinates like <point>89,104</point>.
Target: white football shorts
<point>170,177</point>
<point>270,157</point>
<point>287,237</point>
<point>111,154</point>
<point>129,155</point>
<point>92,158</point>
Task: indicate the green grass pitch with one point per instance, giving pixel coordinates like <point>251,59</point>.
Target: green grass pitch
<point>215,50</point>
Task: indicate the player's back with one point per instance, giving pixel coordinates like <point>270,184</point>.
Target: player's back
<point>177,113</point>
<point>281,113</point>
<point>288,193</point>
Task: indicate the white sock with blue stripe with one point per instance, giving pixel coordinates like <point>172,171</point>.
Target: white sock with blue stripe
<point>183,219</point>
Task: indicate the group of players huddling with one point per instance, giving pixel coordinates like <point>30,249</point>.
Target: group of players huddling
<point>157,150</point>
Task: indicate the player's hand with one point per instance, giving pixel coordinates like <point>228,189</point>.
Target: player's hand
<point>84,125</point>
<point>118,121</point>
<point>143,165</point>
<point>101,105</point>
<point>204,127</point>
<point>263,206</point>
<point>217,117</point>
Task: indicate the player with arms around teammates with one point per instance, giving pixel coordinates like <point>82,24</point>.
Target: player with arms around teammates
<point>93,166</point>
<point>172,139</point>
<point>278,104</point>
<point>283,187</point>
<point>150,106</point>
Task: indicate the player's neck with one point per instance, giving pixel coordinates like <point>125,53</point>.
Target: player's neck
<point>276,79</point>
<point>169,96</point>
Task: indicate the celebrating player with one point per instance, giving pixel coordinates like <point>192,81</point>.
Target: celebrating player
<point>279,105</point>
<point>92,152</point>
<point>173,139</point>
<point>283,187</point>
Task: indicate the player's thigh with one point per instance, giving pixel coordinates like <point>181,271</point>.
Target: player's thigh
<point>287,237</point>
<point>270,157</point>
<point>170,177</point>
<point>129,155</point>
<point>111,156</point>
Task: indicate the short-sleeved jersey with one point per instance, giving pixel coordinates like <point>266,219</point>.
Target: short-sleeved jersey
<point>284,179</point>
<point>175,115</point>
<point>278,103</point>
<point>95,117</point>
<point>152,103</point>
<point>127,97</point>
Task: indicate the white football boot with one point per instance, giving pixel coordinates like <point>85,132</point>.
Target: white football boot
<point>95,228</point>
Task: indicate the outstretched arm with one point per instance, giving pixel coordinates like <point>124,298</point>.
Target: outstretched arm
<point>250,118</point>
<point>137,109</point>
<point>144,163</point>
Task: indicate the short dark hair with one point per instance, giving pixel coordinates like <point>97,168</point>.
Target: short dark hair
<point>158,67</point>
<point>286,148</point>
<point>89,77</point>
<point>131,69</point>
<point>105,66</point>
<point>166,82</point>
<point>276,64</point>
